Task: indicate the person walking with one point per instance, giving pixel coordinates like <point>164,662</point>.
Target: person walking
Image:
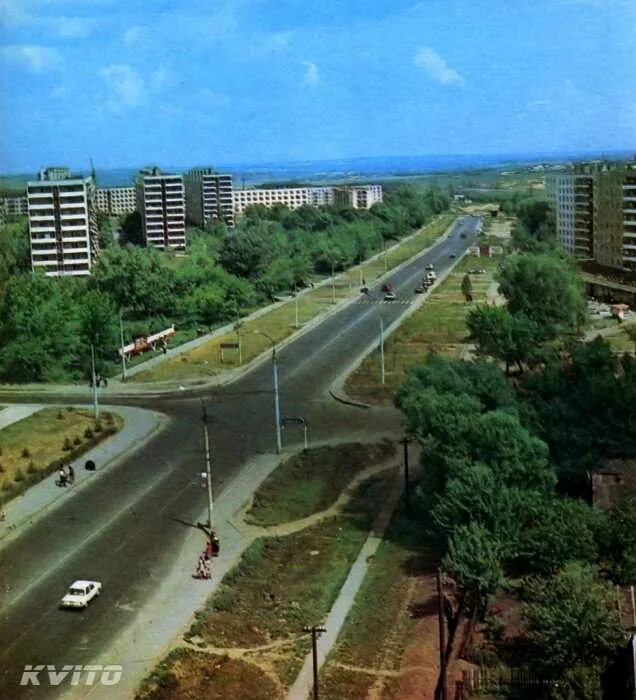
<point>62,474</point>
<point>71,474</point>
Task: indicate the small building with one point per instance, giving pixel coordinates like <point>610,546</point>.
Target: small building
<point>613,483</point>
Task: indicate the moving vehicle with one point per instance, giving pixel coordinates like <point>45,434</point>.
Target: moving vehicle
<point>387,287</point>
<point>80,594</point>
<point>453,255</point>
<point>431,276</point>
<point>421,289</point>
<point>430,266</point>
<point>389,296</point>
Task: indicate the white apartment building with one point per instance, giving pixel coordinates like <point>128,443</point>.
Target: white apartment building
<point>321,196</point>
<point>559,188</point>
<point>62,224</point>
<point>13,206</point>
<point>116,200</point>
<point>358,196</point>
<point>209,197</point>
<point>161,202</point>
<point>292,197</point>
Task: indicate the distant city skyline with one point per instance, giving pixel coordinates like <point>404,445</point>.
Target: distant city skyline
<point>262,81</point>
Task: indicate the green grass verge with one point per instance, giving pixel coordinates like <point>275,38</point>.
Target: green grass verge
<point>280,322</point>
<point>311,481</point>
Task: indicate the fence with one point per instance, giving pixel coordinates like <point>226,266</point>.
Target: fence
<point>493,678</point>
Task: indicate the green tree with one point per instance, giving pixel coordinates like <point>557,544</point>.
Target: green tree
<point>572,620</point>
<point>98,327</point>
<point>132,231</point>
<point>473,558</point>
<point>467,288</point>
<point>545,289</point>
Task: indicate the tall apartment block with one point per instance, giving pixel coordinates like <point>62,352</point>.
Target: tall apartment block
<point>161,202</point>
<point>358,196</point>
<point>62,223</point>
<point>116,200</point>
<point>292,197</point>
<point>209,197</point>
<point>595,209</point>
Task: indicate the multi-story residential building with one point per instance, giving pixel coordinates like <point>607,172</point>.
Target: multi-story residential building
<point>13,206</point>
<point>358,196</point>
<point>161,202</point>
<point>209,197</point>
<point>62,223</point>
<point>595,207</point>
<point>292,197</point>
<point>55,172</point>
<point>116,200</point>
<point>321,196</point>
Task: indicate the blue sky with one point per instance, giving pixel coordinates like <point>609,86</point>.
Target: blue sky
<point>184,82</point>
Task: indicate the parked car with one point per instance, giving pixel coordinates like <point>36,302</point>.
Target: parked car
<point>421,289</point>
<point>80,594</point>
<point>453,255</point>
<point>463,235</point>
<point>390,296</point>
<point>430,266</point>
<point>431,276</point>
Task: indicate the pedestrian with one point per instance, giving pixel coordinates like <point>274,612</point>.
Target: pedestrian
<point>71,474</point>
<point>62,481</point>
<point>105,382</point>
<point>207,568</point>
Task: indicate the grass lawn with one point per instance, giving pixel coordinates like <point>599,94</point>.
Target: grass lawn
<point>29,446</point>
<point>439,325</point>
<point>393,610</point>
<point>311,481</point>
<point>279,323</point>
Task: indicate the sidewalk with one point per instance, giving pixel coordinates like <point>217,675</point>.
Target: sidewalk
<point>303,684</point>
<point>12,414</point>
<point>42,498</point>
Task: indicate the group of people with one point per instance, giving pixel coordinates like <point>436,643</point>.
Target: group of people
<point>66,475</point>
<point>204,565</point>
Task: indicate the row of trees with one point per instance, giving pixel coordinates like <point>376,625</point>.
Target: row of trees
<point>48,324</point>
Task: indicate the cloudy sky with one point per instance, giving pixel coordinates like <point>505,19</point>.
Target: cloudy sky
<point>183,82</point>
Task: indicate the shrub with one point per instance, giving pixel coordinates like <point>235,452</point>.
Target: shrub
<point>60,415</point>
<point>6,486</point>
<point>67,445</point>
<point>77,440</point>
<point>2,469</point>
<point>19,475</point>
<point>31,469</point>
<point>110,418</point>
<point>88,433</point>
<point>98,427</point>
<point>26,453</point>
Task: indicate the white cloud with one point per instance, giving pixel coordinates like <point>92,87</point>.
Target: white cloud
<point>436,67</point>
<point>126,86</point>
<point>312,73</point>
<point>277,42</point>
<point>161,78</point>
<point>133,35</point>
<point>36,58</point>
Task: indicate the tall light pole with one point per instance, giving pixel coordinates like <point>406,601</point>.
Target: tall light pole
<point>123,354</point>
<point>279,443</point>
<point>208,467</point>
<point>94,382</point>
<point>381,348</point>
<point>315,631</point>
<point>296,304</point>
<point>361,275</point>
<point>333,285</point>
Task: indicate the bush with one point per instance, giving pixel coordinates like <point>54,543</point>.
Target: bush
<point>6,486</point>
<point>494,627</point>
<point>31,469</point>
<point>98,427</point>
<point>60,415</point>
<point>19,475</point>
<point>88,433</point>
<point>77,440</point>
<point>110,418</point>
<point>67,446</point>
<point>26,453</point>
<point>2,469</point>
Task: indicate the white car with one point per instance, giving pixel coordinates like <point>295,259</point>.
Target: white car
<point>80,594</point>
<point>431,276</point>
<point>390,296</point>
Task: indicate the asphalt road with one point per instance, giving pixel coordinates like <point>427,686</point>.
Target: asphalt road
<point>123,530</point>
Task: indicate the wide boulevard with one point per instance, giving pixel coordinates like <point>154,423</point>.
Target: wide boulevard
<point>124,528</point>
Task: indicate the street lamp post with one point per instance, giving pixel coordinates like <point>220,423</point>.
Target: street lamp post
<point>279,443</point>
<point>333,284</point>
<point>296,306</point>
<point>208,468</point>
<point>94,382</point>
<point>382,349</point>
<point>123,354</point>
